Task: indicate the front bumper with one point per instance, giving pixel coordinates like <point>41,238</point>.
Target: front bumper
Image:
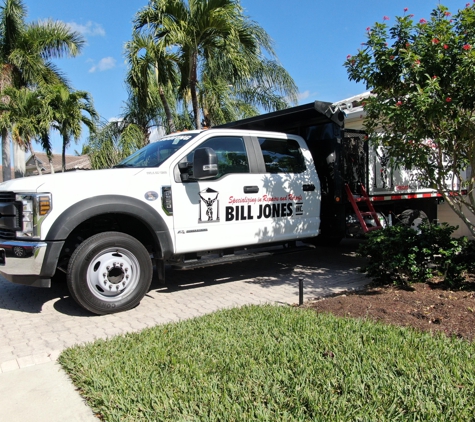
<point>23,262</point>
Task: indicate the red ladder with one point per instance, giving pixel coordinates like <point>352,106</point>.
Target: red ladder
<point>363,198</point>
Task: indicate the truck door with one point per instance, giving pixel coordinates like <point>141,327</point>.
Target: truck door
<point>250,201</point>
<point>291,195</point>
<point>200,207</point>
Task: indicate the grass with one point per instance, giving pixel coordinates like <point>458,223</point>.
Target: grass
<point>272,363</point>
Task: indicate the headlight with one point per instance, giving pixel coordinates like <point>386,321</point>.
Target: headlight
<point>33,207</point>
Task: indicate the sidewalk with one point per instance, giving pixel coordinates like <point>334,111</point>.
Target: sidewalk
<point>37,324</point>
<point>41,393</point>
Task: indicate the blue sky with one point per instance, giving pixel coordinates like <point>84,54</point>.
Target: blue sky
<point>312,39</point>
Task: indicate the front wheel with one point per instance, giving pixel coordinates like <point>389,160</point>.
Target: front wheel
<point>109,272</point>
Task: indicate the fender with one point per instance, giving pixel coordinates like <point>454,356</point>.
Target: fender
<point>112,204</point>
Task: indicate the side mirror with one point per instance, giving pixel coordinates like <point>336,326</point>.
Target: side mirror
<point>205,163</point>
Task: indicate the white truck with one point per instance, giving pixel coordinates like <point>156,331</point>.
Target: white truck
<point>201,198</point>
<point>191,199</point>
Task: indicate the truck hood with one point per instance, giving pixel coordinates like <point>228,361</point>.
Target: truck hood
<point>73,180</point>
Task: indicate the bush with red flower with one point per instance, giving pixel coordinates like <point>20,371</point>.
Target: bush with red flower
<point>398,63</point>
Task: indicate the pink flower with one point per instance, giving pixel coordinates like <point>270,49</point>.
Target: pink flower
<point>467,4</point>
<point>406,9</point>
<point>348,57</point>
<point>385,18</point>
<point>446,46</point>
<point>434,77</point>
<point>408,45</point>
<point>418,62</point>
<point>422,21</point>
<point>399,104</point>
<point>467,47</point>
<point>391,57</point>
<point>448,100</point>
<point>411,15</point>
<point>435,41</point>
<point>448,14</point>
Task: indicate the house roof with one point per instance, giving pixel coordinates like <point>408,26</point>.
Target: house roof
<point>72,162</point>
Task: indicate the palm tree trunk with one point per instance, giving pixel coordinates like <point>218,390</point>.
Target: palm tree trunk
<point>6,156</point>
<point>63,155</point>
<point>194,97</point>
<point>168,112</point>
<point>6,80</point>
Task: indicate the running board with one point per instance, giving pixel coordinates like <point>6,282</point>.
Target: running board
<point>215,259</point>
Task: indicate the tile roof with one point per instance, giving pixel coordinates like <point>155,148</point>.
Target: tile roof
<point>72,162</point>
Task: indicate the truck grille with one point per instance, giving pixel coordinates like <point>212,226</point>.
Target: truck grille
<point>9,215</point>
<point>7,197</point>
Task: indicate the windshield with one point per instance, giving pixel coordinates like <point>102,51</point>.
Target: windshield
<point>156,153</point>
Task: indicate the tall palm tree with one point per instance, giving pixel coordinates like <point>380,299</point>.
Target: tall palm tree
<point>25,53</point>
<point>67,108</point>
<point>214,36</point>
<point>152,71</point>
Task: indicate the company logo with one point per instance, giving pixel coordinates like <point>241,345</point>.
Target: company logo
<point>209,206</point>
<point>151,195</point>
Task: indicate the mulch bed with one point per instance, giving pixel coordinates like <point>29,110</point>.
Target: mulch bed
<point>430,307</point>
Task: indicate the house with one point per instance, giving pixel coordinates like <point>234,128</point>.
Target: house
<point>73,162</point>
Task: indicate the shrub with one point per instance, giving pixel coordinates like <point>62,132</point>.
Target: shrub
<point>400,255</point>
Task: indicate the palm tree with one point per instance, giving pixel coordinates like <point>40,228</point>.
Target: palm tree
<point>29,117</point>
<point>25,51</point>
<point>214,37</point>
<point>145,116</point>
<point>152,72</point>
<point>67,110</point>
<point>111,143</point>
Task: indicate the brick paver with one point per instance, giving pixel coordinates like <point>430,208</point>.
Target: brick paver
<point>37,324</point>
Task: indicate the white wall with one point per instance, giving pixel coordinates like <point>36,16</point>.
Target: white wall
<point>446,215</point>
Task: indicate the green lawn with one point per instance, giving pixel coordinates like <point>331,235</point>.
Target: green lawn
<point>274,363</point>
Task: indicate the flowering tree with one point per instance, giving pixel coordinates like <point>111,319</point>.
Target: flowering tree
<point>422,75</point>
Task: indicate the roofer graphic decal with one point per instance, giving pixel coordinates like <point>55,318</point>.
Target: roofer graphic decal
<point>209,206</point>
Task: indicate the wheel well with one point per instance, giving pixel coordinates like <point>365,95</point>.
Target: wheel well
<point>104,223</point>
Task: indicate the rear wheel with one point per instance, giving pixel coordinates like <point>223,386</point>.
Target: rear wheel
<point>109,272</point>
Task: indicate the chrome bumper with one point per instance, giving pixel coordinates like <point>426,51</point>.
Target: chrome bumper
<point>22,262</point>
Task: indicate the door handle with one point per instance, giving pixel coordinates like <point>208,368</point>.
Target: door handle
<point>308,188</point>
<point>251,189</point>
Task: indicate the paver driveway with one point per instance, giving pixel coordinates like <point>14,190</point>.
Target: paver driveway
<point>37,324</point>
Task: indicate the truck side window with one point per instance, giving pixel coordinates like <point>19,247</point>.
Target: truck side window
<point>282,155</point>
<point>231,153</point>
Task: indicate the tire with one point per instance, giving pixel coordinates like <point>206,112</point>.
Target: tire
<point>109,272</point>
<point>412,218</point>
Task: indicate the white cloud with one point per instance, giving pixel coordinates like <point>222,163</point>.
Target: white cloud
<point>303,95</point>
<point>104,64</point>
<point>91,28</point>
